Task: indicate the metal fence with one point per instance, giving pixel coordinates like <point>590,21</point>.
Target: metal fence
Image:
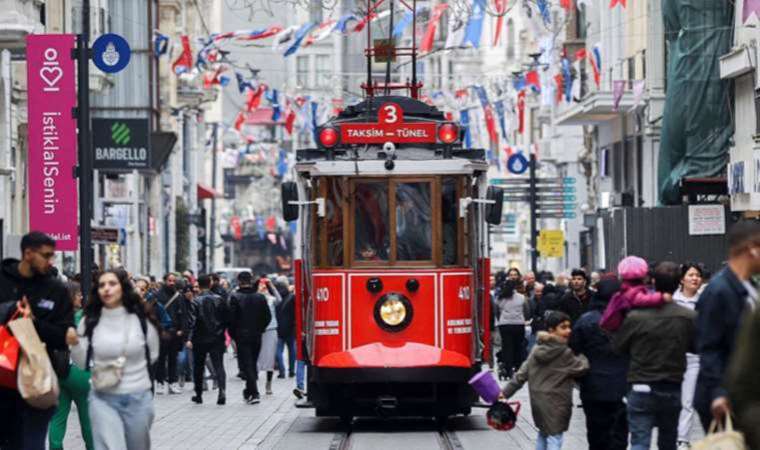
<point>660,234</point>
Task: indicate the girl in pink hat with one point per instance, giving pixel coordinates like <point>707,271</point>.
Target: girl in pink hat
<point>634,293</point>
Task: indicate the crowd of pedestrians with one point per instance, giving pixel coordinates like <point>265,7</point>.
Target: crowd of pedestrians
<point>650,346</point>
<point>136,338</point>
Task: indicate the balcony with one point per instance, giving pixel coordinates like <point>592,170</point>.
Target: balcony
<point>595,108</point>
<point>16,25</point>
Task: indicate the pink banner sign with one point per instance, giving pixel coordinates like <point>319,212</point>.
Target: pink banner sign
<point>52,137</point>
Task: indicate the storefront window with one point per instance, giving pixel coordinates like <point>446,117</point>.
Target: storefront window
<point>372,237</point>
<point>414,226</point>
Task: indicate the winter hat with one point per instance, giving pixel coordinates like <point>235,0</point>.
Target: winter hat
<point>633,268</point>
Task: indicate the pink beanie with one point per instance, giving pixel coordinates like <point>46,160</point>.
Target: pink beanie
<point>632,268</point>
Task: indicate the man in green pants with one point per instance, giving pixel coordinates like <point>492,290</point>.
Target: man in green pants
<point>74,387</point>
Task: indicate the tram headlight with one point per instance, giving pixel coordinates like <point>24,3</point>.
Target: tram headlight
<point>448,133</point>
<point>393,312</point>
<point>328,137</point>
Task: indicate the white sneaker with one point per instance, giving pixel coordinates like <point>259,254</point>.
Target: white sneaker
<point>683,445</point>
<point>160,388</point>
<point>175,389</point>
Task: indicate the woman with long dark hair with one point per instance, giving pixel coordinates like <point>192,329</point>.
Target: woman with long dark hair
<point>118,342</point>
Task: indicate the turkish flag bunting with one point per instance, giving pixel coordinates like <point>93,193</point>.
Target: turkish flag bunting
<point>493,136</point>
<point>500,20</point>
<point>290,119</point>
<point>185,60</point>
<point>427,40</point>
<point>613,3</point>
<point>254,97</point>
<point>521,112</point>
<point>560,81</point>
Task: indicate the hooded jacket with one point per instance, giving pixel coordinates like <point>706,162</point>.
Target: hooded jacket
<point>550,370</point>
<point>48,297</point>
<point>606,378</point>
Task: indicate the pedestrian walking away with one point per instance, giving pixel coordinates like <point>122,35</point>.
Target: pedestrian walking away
<point>720,309</point>
<point>550,371</point>
<point>30,287</point>
<point>656,340</point>
<point>267,355</point>
<point>511,313</point>
<point>118,340</point>
<point>604,385</point>
<point>286,322</point>
<point>687,296</point>
<point>75,388</point>
<point>250,316</point>
<point>210,321</point>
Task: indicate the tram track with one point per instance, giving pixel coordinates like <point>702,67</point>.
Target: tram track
<point>352,440</point>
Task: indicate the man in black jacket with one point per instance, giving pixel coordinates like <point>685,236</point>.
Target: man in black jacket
<point>656,341</point>
<point>604,385</point>
<point>250,316</point>
<point>179,310</point>
<point>576,300</point>
<point>720,310</point>
<point>30,287</point>
<point>210,320</point>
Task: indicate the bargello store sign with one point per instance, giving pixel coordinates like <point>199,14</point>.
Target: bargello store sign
<point>121,144</point>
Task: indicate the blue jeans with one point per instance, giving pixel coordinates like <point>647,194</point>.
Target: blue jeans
<point>548,442</point>
<point>185,363</point>
<point>659,408</point>
<point>291,343</point>
<point>121,421</point>
<point>300,374</point>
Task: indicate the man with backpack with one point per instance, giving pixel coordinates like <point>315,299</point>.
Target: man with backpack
<point>179,311</point>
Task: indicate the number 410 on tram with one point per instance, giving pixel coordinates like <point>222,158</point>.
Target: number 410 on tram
<point>391,264</point>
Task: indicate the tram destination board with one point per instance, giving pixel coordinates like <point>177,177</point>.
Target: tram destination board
<point>390,127</point>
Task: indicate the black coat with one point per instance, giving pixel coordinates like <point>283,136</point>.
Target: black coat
<point>719,313</point>
<point>606,379</point>
<point>210,319</point>
<point>286,317</point>
<point>574,306</point>
<point>249,314</point>
<point>48,297</point>
<point>181,312</point>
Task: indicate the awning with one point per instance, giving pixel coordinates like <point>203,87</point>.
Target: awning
<point>206,192</point>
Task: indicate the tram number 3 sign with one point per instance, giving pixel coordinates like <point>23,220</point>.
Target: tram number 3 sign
<point>390,127</point>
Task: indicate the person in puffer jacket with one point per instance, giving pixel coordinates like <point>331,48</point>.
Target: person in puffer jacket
<point>511,314</point>
<point>634,293</point>
<point>551,370</point>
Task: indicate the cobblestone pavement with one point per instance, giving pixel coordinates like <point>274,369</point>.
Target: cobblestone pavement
<point>276,424</point>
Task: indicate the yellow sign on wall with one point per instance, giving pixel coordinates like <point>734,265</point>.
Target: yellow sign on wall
<point>551,243</point>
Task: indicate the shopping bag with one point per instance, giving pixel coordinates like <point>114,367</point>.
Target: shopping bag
<point>37,382</point>
<point>721,438</point>
<point>9,351</point>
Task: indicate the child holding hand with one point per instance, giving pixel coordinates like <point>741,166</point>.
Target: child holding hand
<point>550,370</point>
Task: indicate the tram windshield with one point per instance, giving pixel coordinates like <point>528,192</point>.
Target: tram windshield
<point>390,221</point>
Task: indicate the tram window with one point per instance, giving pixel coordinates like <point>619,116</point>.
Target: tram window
<point>414,225</point>
<point>371,241</point>
<point>334,222</point>
<point>449,220</point>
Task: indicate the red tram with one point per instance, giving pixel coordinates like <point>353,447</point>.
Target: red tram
<point>391,262</point>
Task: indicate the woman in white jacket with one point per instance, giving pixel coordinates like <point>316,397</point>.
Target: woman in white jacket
<point>118,341</point>
<point>687,296</point>
<point>267,355</point>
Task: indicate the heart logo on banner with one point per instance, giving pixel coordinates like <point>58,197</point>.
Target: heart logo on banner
<point>51,75</point>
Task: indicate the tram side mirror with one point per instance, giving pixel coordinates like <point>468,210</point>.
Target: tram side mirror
<point>289,201</point>
<point>494,210</point>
